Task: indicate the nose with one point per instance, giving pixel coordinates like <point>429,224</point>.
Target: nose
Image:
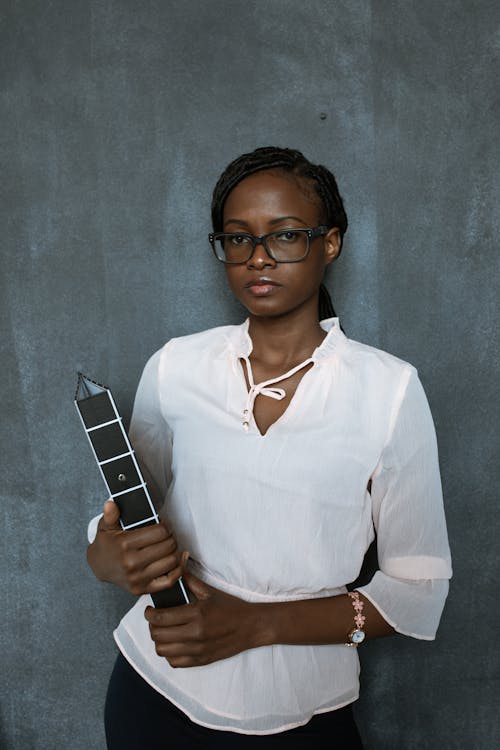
<point>260,257</point>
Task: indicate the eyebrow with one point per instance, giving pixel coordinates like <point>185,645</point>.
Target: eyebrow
<point>272,222</point>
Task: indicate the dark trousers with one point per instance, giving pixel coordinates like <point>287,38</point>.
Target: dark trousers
<point>137,717</point>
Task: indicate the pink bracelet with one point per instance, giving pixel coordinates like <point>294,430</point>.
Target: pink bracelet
<point>357,634</point>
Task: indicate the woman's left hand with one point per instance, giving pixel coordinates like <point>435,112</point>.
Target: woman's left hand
<point>214,627</point>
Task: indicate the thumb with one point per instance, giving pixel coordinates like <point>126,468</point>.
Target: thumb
<point>199,588</point>
<point>111,515</point>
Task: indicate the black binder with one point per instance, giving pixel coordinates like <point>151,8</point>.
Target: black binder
<point>119,468</point>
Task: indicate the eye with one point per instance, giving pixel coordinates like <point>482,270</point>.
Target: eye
<point>238,239</point>
<point>288,235</point>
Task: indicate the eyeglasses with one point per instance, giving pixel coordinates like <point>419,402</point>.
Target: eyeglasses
<point>283,246</point>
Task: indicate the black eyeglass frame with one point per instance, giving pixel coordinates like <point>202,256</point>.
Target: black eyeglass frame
<point>311,234</point>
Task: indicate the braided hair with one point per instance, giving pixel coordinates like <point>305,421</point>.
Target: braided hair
<point>292,162</point>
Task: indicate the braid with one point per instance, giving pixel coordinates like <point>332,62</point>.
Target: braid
<point>325,306</point>
<point>293,162</point>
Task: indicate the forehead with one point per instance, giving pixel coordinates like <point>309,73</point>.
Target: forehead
<point>274,192</point>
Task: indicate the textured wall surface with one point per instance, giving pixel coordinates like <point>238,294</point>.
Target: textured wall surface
<point>116,118</point>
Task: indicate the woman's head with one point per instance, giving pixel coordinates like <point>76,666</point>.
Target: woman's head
<point>316,184</point>
<point>314,179</point>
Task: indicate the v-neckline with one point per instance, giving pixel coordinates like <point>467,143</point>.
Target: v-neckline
<point>241,347</point>
<point>253,390</point>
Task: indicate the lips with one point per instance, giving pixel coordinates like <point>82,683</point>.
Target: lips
<point>261,281</point>
<point>261,286</point>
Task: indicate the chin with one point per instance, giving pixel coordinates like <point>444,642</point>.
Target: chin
<point>270,307</point>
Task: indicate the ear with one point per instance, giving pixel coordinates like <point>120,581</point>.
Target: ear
<point>332,244</point>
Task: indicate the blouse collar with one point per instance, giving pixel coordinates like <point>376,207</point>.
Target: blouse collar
<point>240,344</point>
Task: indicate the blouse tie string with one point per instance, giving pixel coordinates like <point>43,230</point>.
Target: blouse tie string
<point>262,389</point>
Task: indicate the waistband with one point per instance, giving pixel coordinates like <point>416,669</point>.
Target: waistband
<point>249,595</point>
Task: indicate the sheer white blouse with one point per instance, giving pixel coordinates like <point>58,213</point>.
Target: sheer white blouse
<point>287,515</point>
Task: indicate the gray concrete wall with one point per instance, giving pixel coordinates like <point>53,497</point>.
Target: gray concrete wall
<point>116,119</point>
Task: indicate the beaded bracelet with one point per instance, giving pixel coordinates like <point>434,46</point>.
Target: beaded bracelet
<point>357,635</point>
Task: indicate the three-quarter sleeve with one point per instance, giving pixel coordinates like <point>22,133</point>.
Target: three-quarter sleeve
<point>149,432</point>
<point>411,585</point>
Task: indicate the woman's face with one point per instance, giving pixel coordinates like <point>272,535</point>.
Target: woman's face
<point>267,202</point>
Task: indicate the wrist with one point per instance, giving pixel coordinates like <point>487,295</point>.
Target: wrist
<point>357,634</point>
<point>262,626</point>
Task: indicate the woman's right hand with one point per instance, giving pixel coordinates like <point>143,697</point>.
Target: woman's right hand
<point>142,561</point>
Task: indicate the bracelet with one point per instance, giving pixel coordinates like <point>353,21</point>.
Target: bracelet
<point>357,634</point>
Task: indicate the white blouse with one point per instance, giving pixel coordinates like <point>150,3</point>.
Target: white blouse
<point>287,515</point>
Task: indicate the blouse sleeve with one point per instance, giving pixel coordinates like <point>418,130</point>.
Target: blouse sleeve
<point>149,433</point>
<point>411,585</point>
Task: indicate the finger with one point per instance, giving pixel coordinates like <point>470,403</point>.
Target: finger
<point>169,617</point>
<point>184,653</point>
<point>111,515</point>
<point>175,640</point>
<point>179,647</point>
<point>146,536</point>
<point>181,659</point>
<point>143,565</point>
<point>164,580</point>
<point>187,661</point>
<point>164,551</point>
<point>199,588</point>
<point>161,574</point>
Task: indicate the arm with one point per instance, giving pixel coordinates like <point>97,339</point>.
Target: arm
<point>219,625</point>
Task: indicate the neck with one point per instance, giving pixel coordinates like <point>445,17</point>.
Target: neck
<point>287,339</point>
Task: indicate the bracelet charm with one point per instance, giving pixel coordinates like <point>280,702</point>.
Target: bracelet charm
<point>357,634</point>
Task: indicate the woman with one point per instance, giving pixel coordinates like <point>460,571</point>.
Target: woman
<point>280,448</point>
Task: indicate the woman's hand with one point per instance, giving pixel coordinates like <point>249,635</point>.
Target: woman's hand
<point>141,561</point>
<point>214,627</point>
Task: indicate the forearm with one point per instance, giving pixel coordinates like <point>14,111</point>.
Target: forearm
<point>314,621</point>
